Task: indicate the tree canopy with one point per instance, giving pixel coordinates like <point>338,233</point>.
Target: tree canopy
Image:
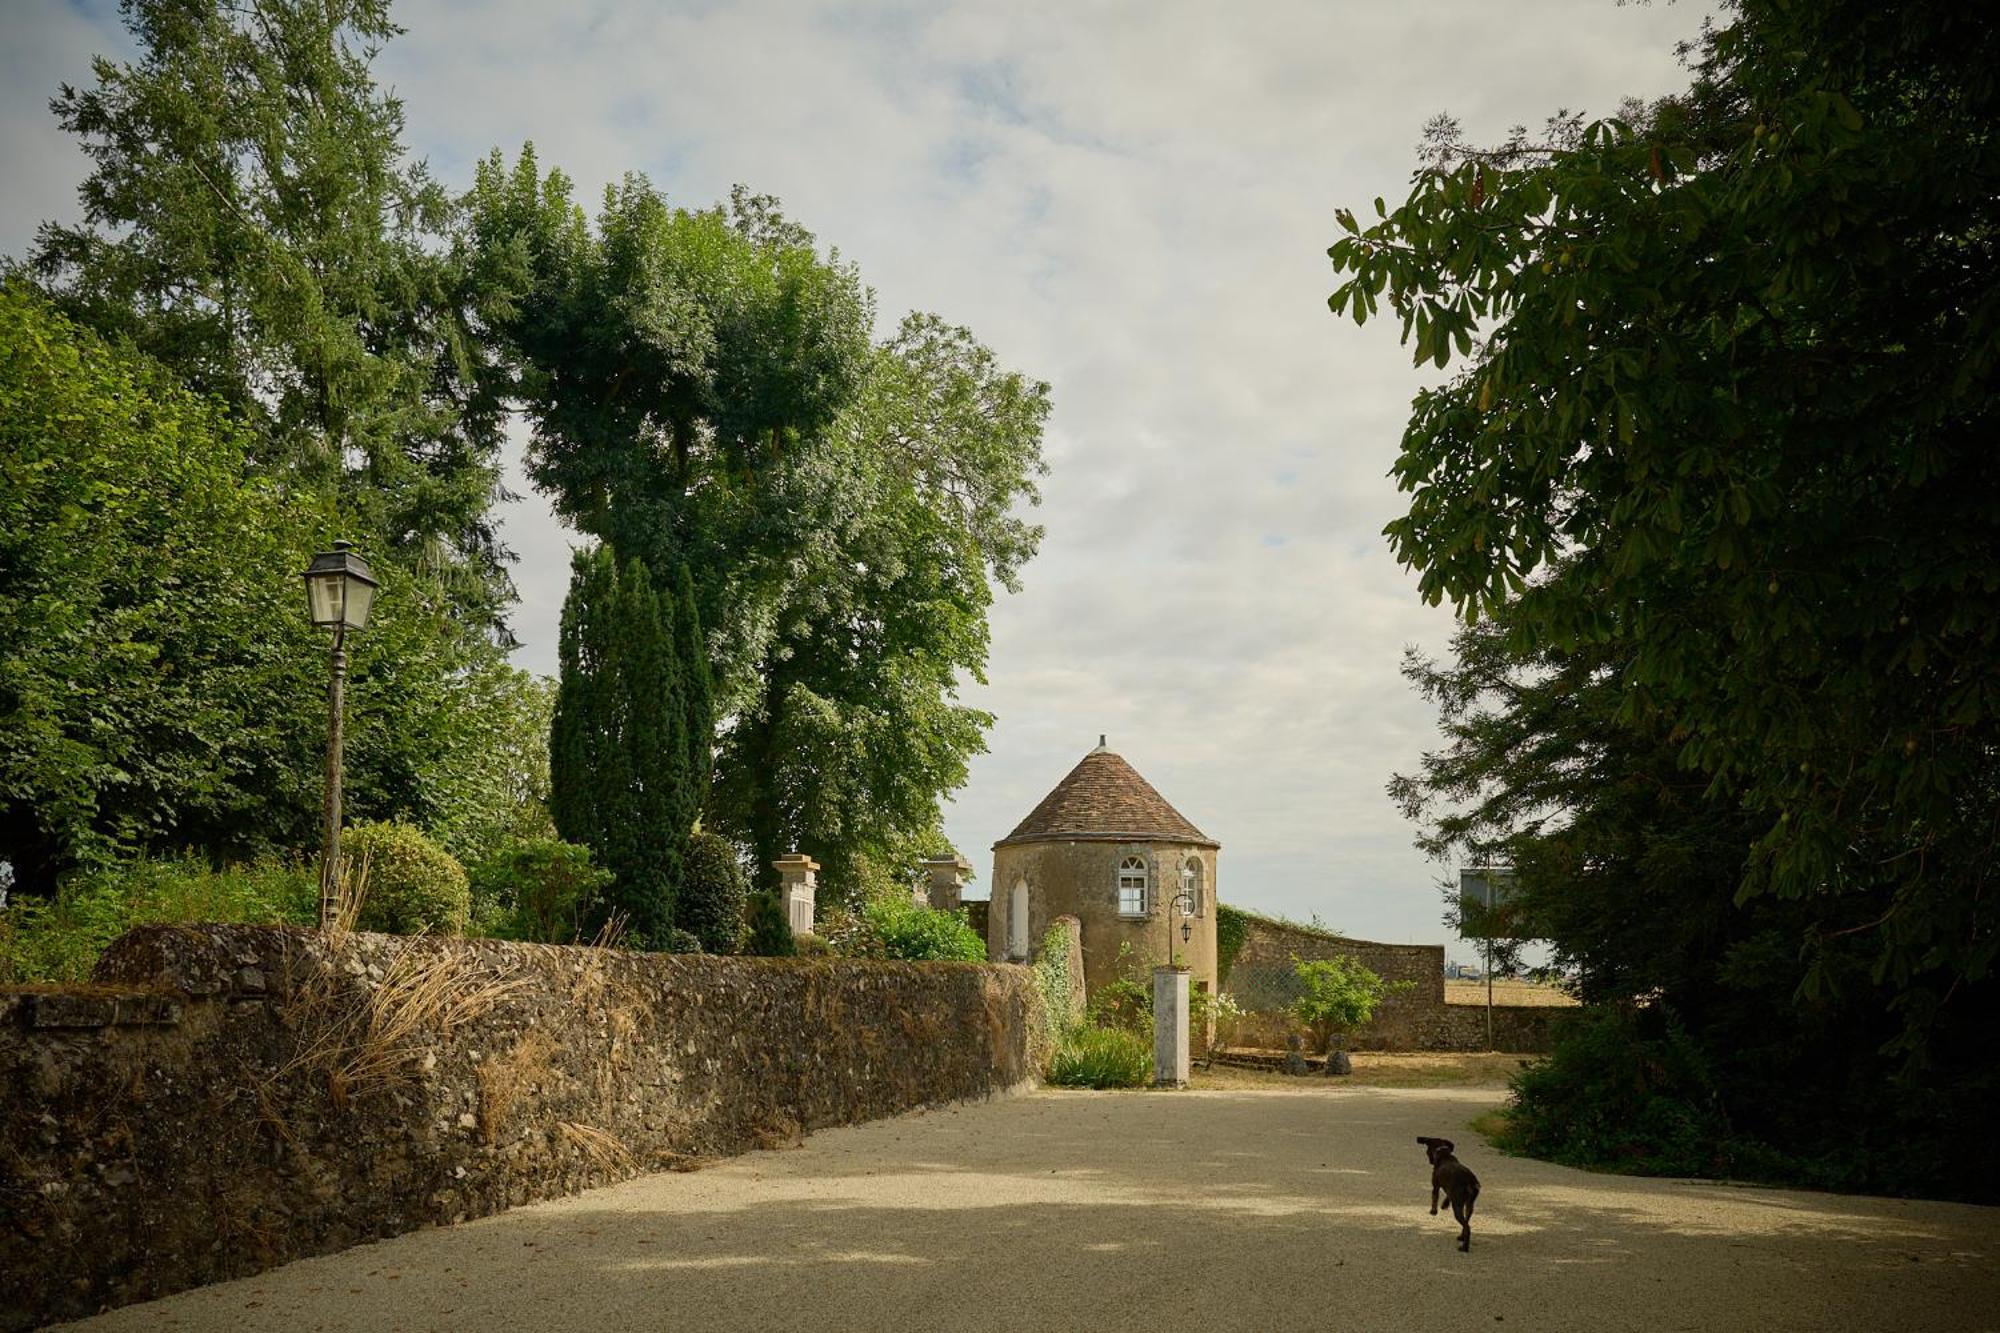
<point>1725,416</point>
<point>251,221</point>
<point>705,393</point>
<point>160,685</point>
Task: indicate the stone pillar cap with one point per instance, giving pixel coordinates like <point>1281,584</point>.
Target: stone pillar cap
<point>796,861</point>
<point>954,860</point>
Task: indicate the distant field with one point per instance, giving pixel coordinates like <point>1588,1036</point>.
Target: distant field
<point>1504,992</point>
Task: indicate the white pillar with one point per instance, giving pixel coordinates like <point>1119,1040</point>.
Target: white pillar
<point>947,882</point>
<point>798,890</point>
<point>1170,1027</point>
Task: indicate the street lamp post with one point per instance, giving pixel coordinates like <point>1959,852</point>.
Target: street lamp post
<point>340,591</point>
<point>1182,903</point>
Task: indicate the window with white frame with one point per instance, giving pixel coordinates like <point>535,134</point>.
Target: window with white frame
<point>1191,886</point>
<point>1132,886</point>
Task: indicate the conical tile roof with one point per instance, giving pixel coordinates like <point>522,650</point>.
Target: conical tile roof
<point>1104,798</point>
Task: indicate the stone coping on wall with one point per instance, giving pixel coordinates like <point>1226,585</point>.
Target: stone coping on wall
<point>225,1098</point>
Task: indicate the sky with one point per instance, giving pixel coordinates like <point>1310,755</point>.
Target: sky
<point>1130,201</point>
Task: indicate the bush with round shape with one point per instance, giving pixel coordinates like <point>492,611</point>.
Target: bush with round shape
<point>413,885</point>
<point>712,893</point>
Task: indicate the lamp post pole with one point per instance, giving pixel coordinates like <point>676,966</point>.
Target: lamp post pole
<point>340,591</point>
<point>336,702</point>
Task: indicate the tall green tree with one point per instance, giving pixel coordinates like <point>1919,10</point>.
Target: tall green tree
<point>253,222</point>
<point>859,728</point>
<point>160,686</point>
<point>1729,385</point>
<point>704,392</point>
<point>676,366</point>
<point>624,780</point>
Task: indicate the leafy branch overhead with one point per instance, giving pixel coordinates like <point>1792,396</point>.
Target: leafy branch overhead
<point>1723,395</point>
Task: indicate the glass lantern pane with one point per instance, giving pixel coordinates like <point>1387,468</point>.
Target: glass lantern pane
<point>360,600</point>
<point>323,592</point>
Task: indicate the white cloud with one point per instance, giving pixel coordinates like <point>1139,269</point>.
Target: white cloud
<point>1133,202</point>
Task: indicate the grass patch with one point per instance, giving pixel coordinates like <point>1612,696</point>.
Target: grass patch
<point>59,939</point>
<point>1102,1058</point>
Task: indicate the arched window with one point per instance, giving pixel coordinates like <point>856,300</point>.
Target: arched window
<point>1191,886</point>
<point>1132,886</point>
<point>1017,921</point>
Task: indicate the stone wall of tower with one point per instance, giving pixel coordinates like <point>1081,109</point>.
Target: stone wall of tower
<point>1079,878</point>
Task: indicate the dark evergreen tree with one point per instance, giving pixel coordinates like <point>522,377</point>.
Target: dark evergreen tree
<point>770,933</point>
<point>617,749</point>
<point>713,893</point>
<point>697,696</point>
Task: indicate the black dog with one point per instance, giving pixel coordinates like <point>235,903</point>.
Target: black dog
<point>1460,1186</point>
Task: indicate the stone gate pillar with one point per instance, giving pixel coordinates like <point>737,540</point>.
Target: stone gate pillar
<point>1170,1027</point>
<point>947,882</point>
<point>798,890</point>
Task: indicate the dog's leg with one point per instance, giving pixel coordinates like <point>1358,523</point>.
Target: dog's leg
<point>1434,1198</point>
<point>1464,1215</point>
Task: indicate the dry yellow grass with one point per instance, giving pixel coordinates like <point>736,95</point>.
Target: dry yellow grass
<point>1379,1069</point>
<point>1511,993</point>
<point>376,1037</point>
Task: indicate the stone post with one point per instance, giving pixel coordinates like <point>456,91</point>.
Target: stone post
<point>948,875</point>
<point>1170,1027</point>
<point>798,889</point>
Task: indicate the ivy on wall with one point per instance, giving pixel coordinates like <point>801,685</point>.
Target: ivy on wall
<point>1232,927</point>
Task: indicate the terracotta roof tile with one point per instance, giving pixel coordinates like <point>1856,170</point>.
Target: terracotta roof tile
<point>1105,798</point>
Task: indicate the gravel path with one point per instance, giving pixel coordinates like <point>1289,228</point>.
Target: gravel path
<point>1264,1210</point>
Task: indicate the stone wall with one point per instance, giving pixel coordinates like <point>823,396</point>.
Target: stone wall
<point>1079,878</point>
<point>227,1098</point>
<point>1416,1019</point>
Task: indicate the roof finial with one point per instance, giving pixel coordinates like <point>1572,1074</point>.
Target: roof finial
<point>1102,747</point>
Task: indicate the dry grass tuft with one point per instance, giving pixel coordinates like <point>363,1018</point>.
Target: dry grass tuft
<point>504,1078</point>
<point>350,891</point>
<point>602,1150</point>
<point>1509,994</point>
<point>370,1037</point>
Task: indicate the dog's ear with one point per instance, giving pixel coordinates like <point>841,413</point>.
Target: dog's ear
<point>1426,1142</point>
<point>1444,1146</point>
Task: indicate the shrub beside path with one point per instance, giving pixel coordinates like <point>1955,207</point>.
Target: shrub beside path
<point>1231,1208</point>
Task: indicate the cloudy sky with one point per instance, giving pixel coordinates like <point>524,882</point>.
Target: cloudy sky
<point>1131,201</point>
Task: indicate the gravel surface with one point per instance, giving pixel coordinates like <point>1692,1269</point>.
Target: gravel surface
<point>1254,1210</point>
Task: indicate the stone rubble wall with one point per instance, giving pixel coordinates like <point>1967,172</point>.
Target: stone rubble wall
<point>1416,1019</point>
<point>227,1098</point>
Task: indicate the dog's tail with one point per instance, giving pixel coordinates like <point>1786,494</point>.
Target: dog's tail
<point>1472,1197</point>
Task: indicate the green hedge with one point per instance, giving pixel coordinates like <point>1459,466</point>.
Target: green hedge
<point>540,889</point>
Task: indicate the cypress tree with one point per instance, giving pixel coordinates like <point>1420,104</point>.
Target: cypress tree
<point>578,758</point>
<point>617,747</point>
<point>649,836</point>
<point>697,696</point>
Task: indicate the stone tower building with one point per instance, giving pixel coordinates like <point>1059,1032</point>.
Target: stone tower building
<point>1107,849</point>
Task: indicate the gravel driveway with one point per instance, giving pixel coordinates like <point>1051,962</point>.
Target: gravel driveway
<point>1254,1210</point>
